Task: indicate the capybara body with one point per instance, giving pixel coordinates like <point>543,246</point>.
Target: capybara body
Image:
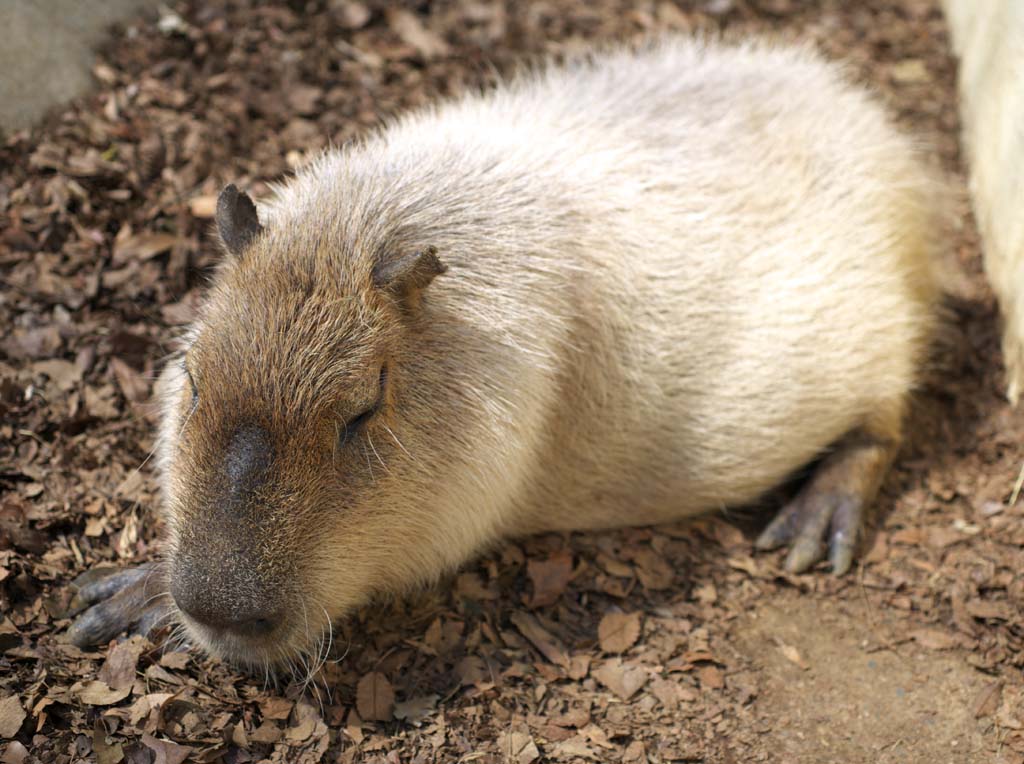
<point>622,291</point>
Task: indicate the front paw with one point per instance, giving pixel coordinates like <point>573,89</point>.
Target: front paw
<point>133,600</point>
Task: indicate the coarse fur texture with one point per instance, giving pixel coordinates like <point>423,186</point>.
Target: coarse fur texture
<point>674,277</point>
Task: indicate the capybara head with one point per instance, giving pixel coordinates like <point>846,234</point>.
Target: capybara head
<point>295,439</point>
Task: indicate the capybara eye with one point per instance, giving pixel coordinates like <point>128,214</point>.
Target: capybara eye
<point>353,425</point>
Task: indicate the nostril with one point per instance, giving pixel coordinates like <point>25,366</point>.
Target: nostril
<point>242,625</point>
<point>254,627</point>
<point>226,616</point>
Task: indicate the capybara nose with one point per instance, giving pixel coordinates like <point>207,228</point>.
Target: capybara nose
<point>236,617</point>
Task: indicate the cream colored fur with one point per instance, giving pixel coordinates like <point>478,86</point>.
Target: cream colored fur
<point>675,277</point>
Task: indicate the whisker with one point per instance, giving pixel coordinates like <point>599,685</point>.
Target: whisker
<point>305,617</point>
<point>400,445</point>
<point>344,655</point>
<point>382,464</point>
<point>368,464</point>
<point>161,621</point>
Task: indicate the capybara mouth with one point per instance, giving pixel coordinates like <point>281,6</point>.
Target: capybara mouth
<point>290,646</point>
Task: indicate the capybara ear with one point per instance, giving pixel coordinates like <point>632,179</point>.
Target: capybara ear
<point>406,276</point>
<point>237,221</point>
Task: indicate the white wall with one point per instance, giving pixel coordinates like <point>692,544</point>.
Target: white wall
<point>988,35</point>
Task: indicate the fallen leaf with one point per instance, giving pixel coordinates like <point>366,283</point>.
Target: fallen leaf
<point>653,571</point>
<point>576,717</point>
<point>711,677</point>
<point>11,716</point>
<point>133,385</point>
<point>635,753</point>
<point>553,734</point>
<point>989,610</point>
<point>64,374</point>
<point>354,726</point>
<point>301,732</point>
<point>308,724</point>
<point>549,577</point>
<point>706,593</point>
<point>141,246</point>
<point>304,99</point>
<point>575,749</point>
<point>43,342</point>
<point>267,733</point>
<point>598,736</point>
<point>99,693</point>
<point>177,661</point>
<point>618,632</point>
<point>579,667</point>
<point>99,402</point>
<point>472,671</point>
<point>415,710</point>
<point>407,26</point>
<point>276,708</point>
<point>375,698</point>
<point>15,753</point>
<point>666,691</point>
<point>942,537</point>
<point>166,751</point>
<point>106,752</point>
<point>614,567</point>
<point>141,708</point>
<point>517,746</point>
<point>622,680</point>
<point>182,312</point>
<point>118,670</point>
<point>539,637</point>
<point>442,636</point>
<point>469,586</point>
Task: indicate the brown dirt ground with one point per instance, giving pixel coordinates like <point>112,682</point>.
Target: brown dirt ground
<point>644,645</point>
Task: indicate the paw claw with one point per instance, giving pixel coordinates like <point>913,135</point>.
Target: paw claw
<point>841,545</point>
<point>768,540</point>
<point>804,553</point>
<point>841,560</point>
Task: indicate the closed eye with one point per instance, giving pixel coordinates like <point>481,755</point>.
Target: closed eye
<point>353,426</point>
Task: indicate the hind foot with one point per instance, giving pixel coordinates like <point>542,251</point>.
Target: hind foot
<point>831,505</point>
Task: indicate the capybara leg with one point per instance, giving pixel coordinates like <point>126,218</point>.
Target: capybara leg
<point>833,501</point>
<point>132,600</point>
